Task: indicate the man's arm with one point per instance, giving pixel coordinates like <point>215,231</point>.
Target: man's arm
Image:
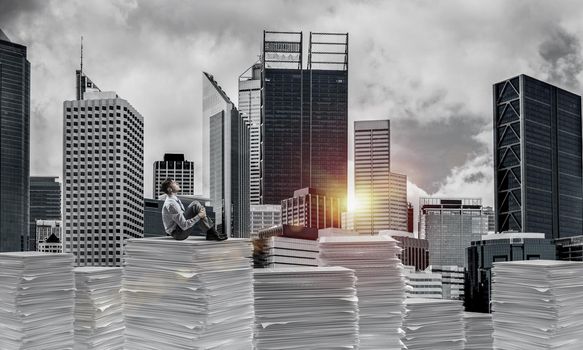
<point>178,216</point>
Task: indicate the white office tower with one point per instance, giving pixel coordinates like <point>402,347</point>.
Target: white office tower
<point>422,284</point>
<point>264,216</point>
<point>185,172</point>
<point>284,251</point>
<point>191,294</point>
<point>99,322</point>
<point>250,106</point>
<point>381,195</point>
<point>103,170</point>
<point>37,296</point>
<point>305,308</point>
<point>380,284</point>
<point>434,324</point>
<point>536,304</point>
<point>479,330</point>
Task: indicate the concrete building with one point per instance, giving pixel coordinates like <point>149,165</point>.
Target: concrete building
<point>226,160</point>
<point>153,225</point>
<point>450,225</point>
<point>45,204</point>
<point>46,228</point>
<point>537,158</point>
<point>380,194</point>
<point>185,172</point>
<point>507,246</point>
<point>14,145</point>
<point>570,248</point>
<point>452,280</point>
<point>311,208</point>
<point>250,106</point>
<point>491,215</point>
<point>304,115</point>
<point>103,186</point>
<point>415,251</point>
<point>422,284</point>
<point>51,245</point>
<point>264,216</point>
<point>347,219</point>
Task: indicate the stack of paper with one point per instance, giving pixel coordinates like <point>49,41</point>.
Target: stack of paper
<point>478,330</point>
<point>191,294</point>
<point>380,284</point>
<point>99,323</point>
<point>37,297</point>
<point>536,304</point>
<point>433,324</point>
<point>306,308</point>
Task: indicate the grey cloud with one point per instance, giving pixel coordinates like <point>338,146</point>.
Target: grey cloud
<point>427,152</point>
<point>561,52</point>
<point>475,177</point>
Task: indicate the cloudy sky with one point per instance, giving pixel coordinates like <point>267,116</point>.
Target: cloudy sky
<point>428,66</point>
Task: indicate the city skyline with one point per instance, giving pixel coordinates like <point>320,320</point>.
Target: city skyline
<point>430,101</point>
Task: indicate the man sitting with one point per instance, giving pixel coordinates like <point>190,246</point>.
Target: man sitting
<point>178,222</point>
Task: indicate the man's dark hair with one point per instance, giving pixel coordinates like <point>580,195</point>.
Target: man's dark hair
<point>165,185</point>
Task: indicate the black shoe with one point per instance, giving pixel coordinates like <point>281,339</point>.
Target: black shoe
<point>213,235</point>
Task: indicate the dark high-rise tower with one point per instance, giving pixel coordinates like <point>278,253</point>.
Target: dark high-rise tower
<point>45,203</point>
<point>537,158</point>
<point>304,115</point>
<point>14,145</point>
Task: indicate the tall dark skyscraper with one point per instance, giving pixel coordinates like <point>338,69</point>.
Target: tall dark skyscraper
<point>304,115</point>
<point>45,203</point>
<point>537,157</point>
<point>14,145</point>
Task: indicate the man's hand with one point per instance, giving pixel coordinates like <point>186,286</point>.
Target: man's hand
<point>202,213</point>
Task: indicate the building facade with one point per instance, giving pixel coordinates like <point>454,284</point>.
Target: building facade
<point>452,280</point>
<point>494,248</point>
<point>304,115</point>
<point>103,167</point>
<point>537,158</point>
<point>153,225</point>
<point>422,284</point>
<point>250,106</point>
<point>264,216</point>
<point>569,248</point>
<point>381,195</point>
<point>226,158</point>
<point>415,251</point>
<point>46,228</point>
<point>311,208</point>
<point>347,218</point>
<point>410,217</point>
<point>45,203</point>
<point>14,145</point>
<point>450,225</point>
<point>185,172</point>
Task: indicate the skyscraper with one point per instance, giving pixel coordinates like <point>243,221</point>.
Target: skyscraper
<point>14,145</point>
<point>183,171</point>
<point>304,115</point>
<point>311,208</point>
<point>264,216</point>
<point>450,225</point>
<point>103,167</point>
<point>226,159</point>
<point>537,158</point>
<point>381,195</point>
<point>250,106</point>
<point>45,203</point>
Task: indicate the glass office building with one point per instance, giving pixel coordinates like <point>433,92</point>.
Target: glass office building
<point>14,145</point>
<point>538,158</point>
<point>304,115</point>
<point>493,248</point>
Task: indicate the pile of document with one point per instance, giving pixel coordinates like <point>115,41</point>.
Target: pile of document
<point>380,284</point>
<point>433,324</point>
<point>305,308</point>
<point>99,323</point>
<point>478,330</point>
<point>536,304</point>
<point>191,294</point>
<point>37,297</point>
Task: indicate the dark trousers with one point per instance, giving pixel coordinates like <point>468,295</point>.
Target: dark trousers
<point>200,228</point>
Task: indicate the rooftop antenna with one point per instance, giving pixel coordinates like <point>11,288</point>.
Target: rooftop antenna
<point>81,55</point>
